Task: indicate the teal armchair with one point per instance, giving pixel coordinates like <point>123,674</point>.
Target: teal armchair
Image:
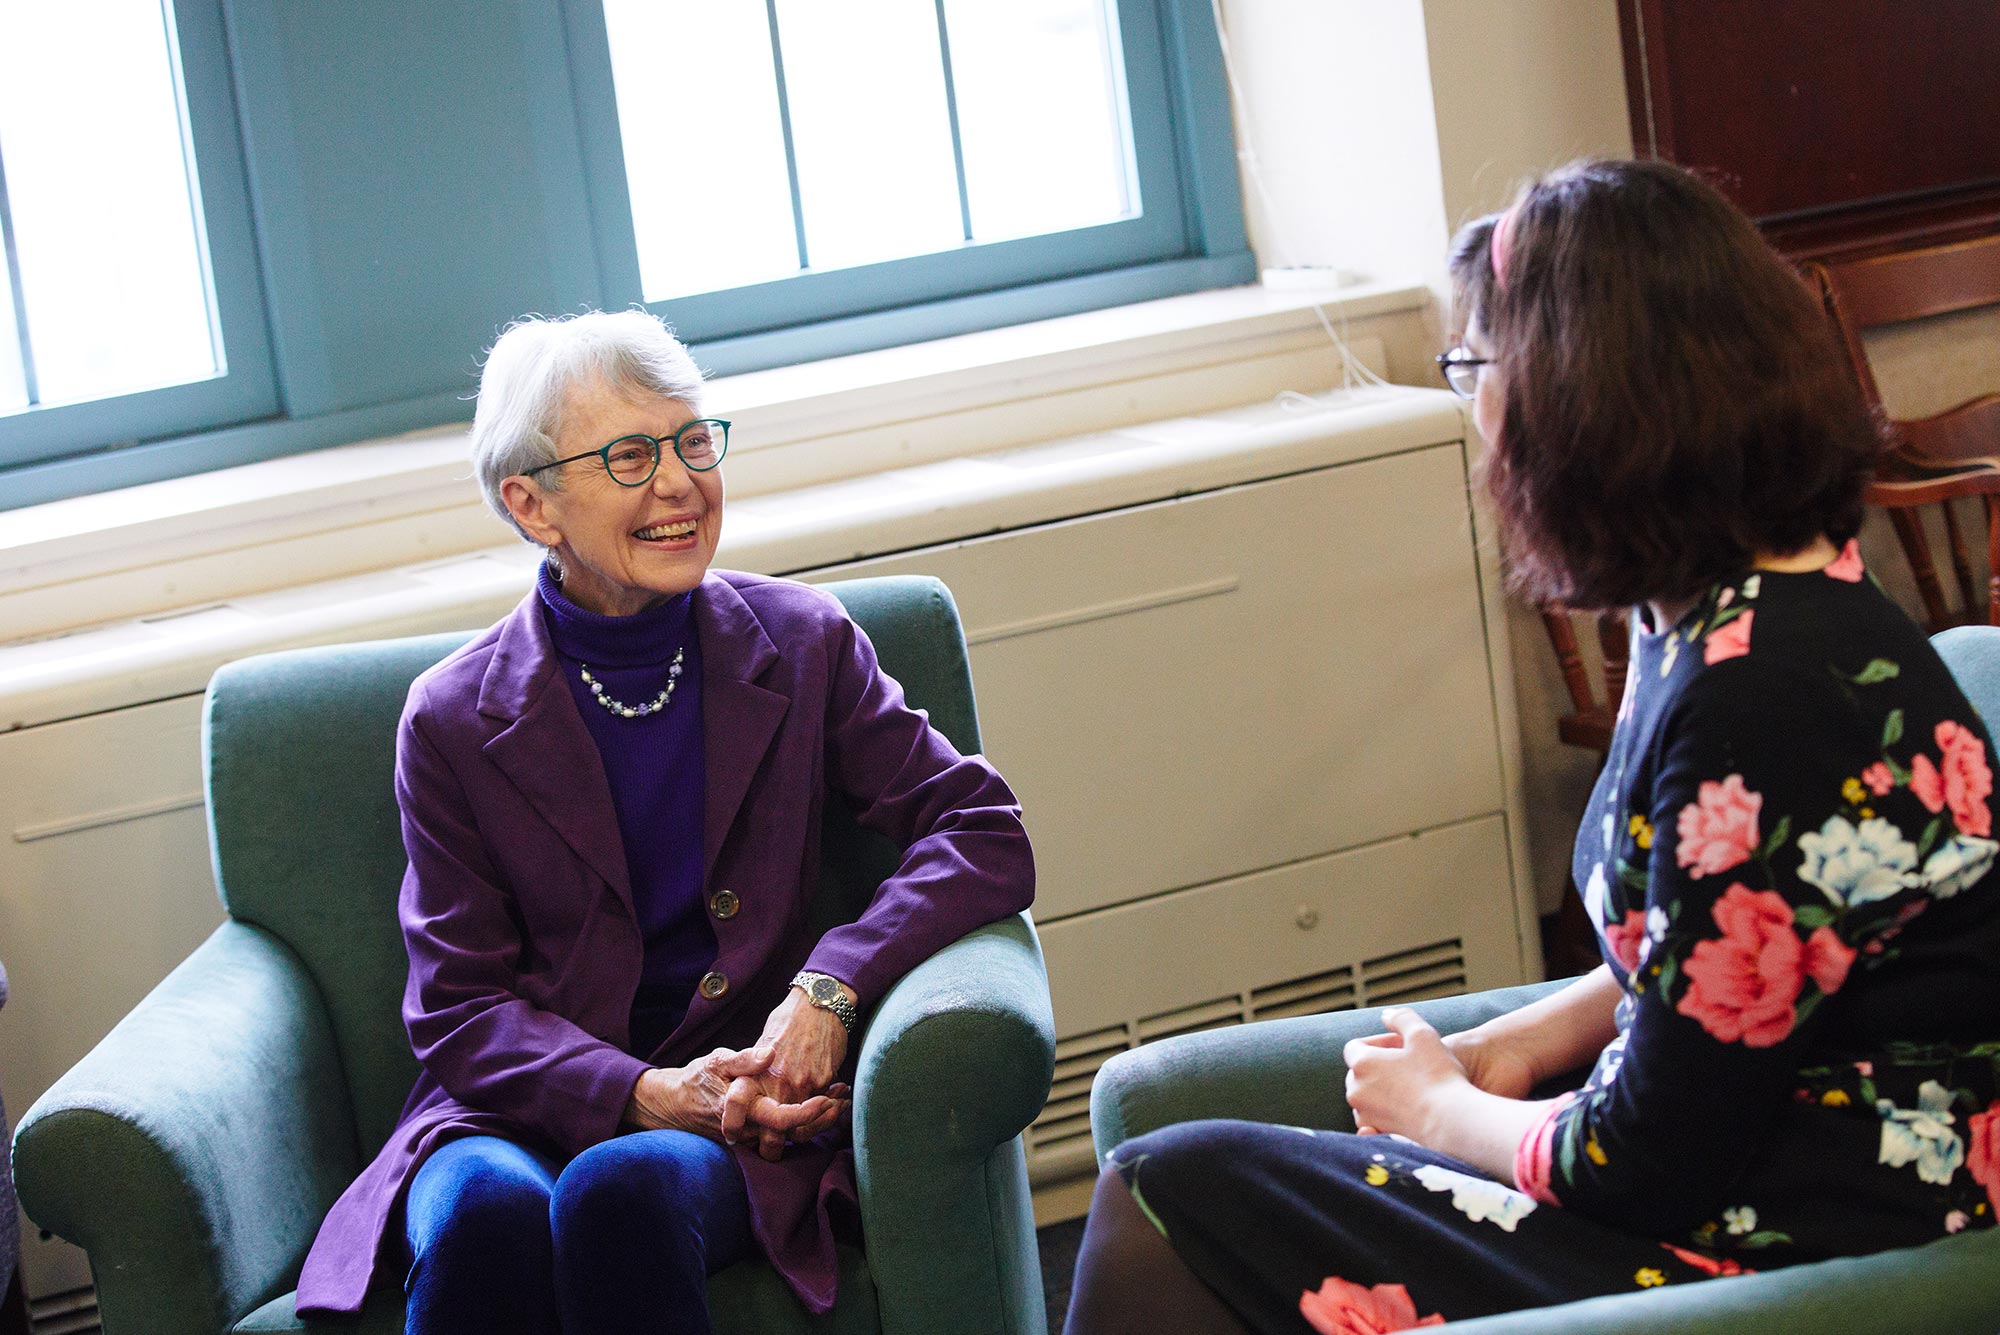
<point>195,1150</point>
<point>1290,1071</point>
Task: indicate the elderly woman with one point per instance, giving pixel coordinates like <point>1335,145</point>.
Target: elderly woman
<point>632,1045</point>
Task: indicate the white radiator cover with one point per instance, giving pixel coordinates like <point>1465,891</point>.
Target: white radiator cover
<point>1247,671</point>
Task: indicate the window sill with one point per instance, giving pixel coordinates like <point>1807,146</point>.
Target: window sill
<point>367,506</point>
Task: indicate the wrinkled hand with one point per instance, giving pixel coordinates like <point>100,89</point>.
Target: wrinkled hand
<point>692,1097</point>
<point>1395,1080</point>
<point>805,1047</point>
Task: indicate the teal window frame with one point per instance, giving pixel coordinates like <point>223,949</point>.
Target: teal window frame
<point>1189,234</point>
<point>386,185</point>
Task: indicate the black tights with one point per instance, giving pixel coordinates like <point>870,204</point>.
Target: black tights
<point>1129,1279</point>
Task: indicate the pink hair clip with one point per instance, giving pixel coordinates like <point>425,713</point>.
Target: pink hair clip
<point>1502,244</point>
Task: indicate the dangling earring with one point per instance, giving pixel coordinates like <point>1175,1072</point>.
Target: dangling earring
<point>555,563</point>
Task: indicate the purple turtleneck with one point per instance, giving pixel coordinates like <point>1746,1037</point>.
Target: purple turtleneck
<point>658,778</point>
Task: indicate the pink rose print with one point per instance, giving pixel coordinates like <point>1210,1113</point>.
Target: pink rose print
<point>1827,959</point>
<point>1967,780</point>
<point>1624,938</point>
<point>1879,779</point>
<point>1847,566</point>
<point>1731,640</point>
<point>1927,783</point>
<point>1982,1156</point>
<point>1714,1265</point>
<point>1743,987</point>
<point>1719,828</point>
<point>1340,1308</point>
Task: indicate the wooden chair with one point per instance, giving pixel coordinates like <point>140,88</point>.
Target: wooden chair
<point>1928,461</point>
<point>1569,939</point>
<point>1591,716</point>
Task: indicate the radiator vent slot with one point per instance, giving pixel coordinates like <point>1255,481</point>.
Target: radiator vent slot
<point>1332,991</point>
<point>1217,1014</point>
<point>1059,1142</point>
<point>1435,970</point>
<point>72,1312</point>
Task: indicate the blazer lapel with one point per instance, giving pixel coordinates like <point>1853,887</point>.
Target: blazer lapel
<point>739,718</point>
<point>544,749</point>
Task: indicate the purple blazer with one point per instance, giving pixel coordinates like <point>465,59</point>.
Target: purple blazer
<point>517,912</point>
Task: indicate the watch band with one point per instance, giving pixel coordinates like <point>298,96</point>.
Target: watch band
<point>823,991</point>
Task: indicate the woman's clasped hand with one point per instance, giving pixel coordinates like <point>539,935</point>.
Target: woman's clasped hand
<point>723,1096</point>
<point>1403,1081</point>
<point>782,1099</point>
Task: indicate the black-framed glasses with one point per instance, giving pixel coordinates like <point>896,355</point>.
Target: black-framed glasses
<point>1461,370</point>
<point>632,460</point>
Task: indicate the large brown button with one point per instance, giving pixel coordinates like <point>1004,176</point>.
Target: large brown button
<point>713,985</point>
<point>723,904</point>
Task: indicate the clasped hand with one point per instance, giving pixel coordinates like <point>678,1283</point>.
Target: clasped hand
<point>1401,1081</point>
<point>779,1091</point>
<point>806,1046</point>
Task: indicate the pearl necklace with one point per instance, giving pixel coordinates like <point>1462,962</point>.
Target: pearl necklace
<point>623,710</point>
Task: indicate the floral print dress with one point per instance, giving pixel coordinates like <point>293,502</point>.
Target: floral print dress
<point>1787,861</point>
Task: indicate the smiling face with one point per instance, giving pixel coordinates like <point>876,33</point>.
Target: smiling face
<point>622,549</point>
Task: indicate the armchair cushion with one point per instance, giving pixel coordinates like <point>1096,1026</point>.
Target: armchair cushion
<point>329,889</point>
<point>743,1300</point>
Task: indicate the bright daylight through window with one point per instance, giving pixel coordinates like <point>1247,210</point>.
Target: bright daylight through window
<point>106,287</point>
<point>997,121</point>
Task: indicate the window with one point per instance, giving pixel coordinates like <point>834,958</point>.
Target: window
<point>1016,128</point>
<point>785,169</point>
<point>110,321</point>
<point>346,203</point>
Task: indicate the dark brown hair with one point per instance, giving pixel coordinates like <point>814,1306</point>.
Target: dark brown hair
<point>1675,403</point>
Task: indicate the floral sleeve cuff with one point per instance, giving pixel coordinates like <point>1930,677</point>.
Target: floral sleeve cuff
<point>1534,1157</point>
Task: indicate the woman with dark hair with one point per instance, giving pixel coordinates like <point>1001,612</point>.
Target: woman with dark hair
<point>1790,1050</point>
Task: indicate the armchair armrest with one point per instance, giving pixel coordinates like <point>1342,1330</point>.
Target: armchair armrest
<point>195,1150</point>
<point>955,1063</point>
<point>1951,1284</point>
<point>1285,1071</point>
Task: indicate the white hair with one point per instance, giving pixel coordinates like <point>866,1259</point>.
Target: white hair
<point>532,368</point>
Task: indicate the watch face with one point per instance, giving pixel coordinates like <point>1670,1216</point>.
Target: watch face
<point>824,989</point>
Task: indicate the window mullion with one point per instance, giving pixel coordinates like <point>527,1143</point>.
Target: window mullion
<point>195,210</point>
<point>785,120</point>
<point>951,110</point>
<point>14,287</point>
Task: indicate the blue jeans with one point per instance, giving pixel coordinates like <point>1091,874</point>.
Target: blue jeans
<point>622,1239</point>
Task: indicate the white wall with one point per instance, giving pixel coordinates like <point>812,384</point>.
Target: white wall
<point>1377,128</point>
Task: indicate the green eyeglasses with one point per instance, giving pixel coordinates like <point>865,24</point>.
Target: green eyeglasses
<point>632,460</point>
